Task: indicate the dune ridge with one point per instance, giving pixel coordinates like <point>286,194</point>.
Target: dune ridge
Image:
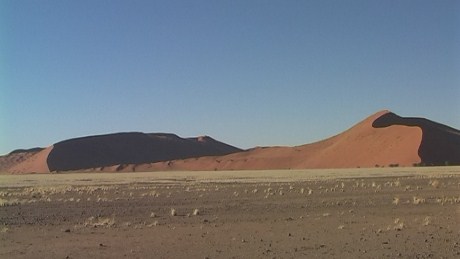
<point>116,151</point>
<point>382,139</point>
<point>363,145</point>
<point>130,148</point>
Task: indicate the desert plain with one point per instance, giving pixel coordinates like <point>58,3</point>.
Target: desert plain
<point>341,213</point>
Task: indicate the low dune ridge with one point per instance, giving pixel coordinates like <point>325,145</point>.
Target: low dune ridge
<point>130,148</point>
<point>112,152</point>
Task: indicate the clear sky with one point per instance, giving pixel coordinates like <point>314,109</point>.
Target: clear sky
<point>249,73</point>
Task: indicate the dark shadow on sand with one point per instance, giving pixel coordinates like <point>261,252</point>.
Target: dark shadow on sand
<point>130,148</point>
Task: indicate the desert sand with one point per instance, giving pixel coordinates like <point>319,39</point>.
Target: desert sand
<point>16,157</point>
<point>341,213</point>
<point>36,163</point>
<point>382,139</point>
<point>112,151</point>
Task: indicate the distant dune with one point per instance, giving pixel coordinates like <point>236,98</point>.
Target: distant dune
<point>17,156</point>
<point>33,164</point>
<point>119,150</point>
<point>383,139</point>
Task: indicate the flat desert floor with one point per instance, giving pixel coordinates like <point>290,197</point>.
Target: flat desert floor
<point>355,213</point>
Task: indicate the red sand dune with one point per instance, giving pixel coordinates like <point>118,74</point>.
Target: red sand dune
<point>17,156</point>
<point>382,139</point>
<point>120,148</point>
<point>33,164</point>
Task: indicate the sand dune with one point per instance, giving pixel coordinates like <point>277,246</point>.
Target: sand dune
<point>130,148</point>
<point>382,139</point>
<point>440,144</point>
<point>17,156</point>
<point>118,151</point>
<point>33,164</point>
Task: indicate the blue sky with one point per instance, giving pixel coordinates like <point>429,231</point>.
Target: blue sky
<point>249,73</point>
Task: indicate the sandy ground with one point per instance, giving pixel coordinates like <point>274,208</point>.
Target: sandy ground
<point>356,213</point>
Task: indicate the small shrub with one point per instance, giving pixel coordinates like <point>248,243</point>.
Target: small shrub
<point>427,221</point>
<point>434,183</point>
<point>416,200</point>
<point>399,225</point>
<point>100,222</point>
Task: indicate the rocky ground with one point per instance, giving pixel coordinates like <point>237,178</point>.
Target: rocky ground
<point>413,216</point>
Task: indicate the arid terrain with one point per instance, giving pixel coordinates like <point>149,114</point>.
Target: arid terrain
<point>342,213</point>
<point>382,139</point>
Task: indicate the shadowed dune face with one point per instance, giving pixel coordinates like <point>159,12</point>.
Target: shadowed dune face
<point>130,148</point>
<point>440,144</point>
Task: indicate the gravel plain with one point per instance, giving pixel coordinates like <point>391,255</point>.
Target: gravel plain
<point>354,213</point>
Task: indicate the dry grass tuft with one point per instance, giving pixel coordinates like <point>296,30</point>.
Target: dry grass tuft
<point>155,223</point>
<point>427,221</point>
<point>434,183</point>
<point>399,225</point>
<point>416,200</point>
<point>100,222</point>
<point>12,202</point>
<point>127,224</point>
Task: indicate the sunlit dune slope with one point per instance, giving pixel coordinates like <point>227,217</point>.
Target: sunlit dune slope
<point>383,139</point>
